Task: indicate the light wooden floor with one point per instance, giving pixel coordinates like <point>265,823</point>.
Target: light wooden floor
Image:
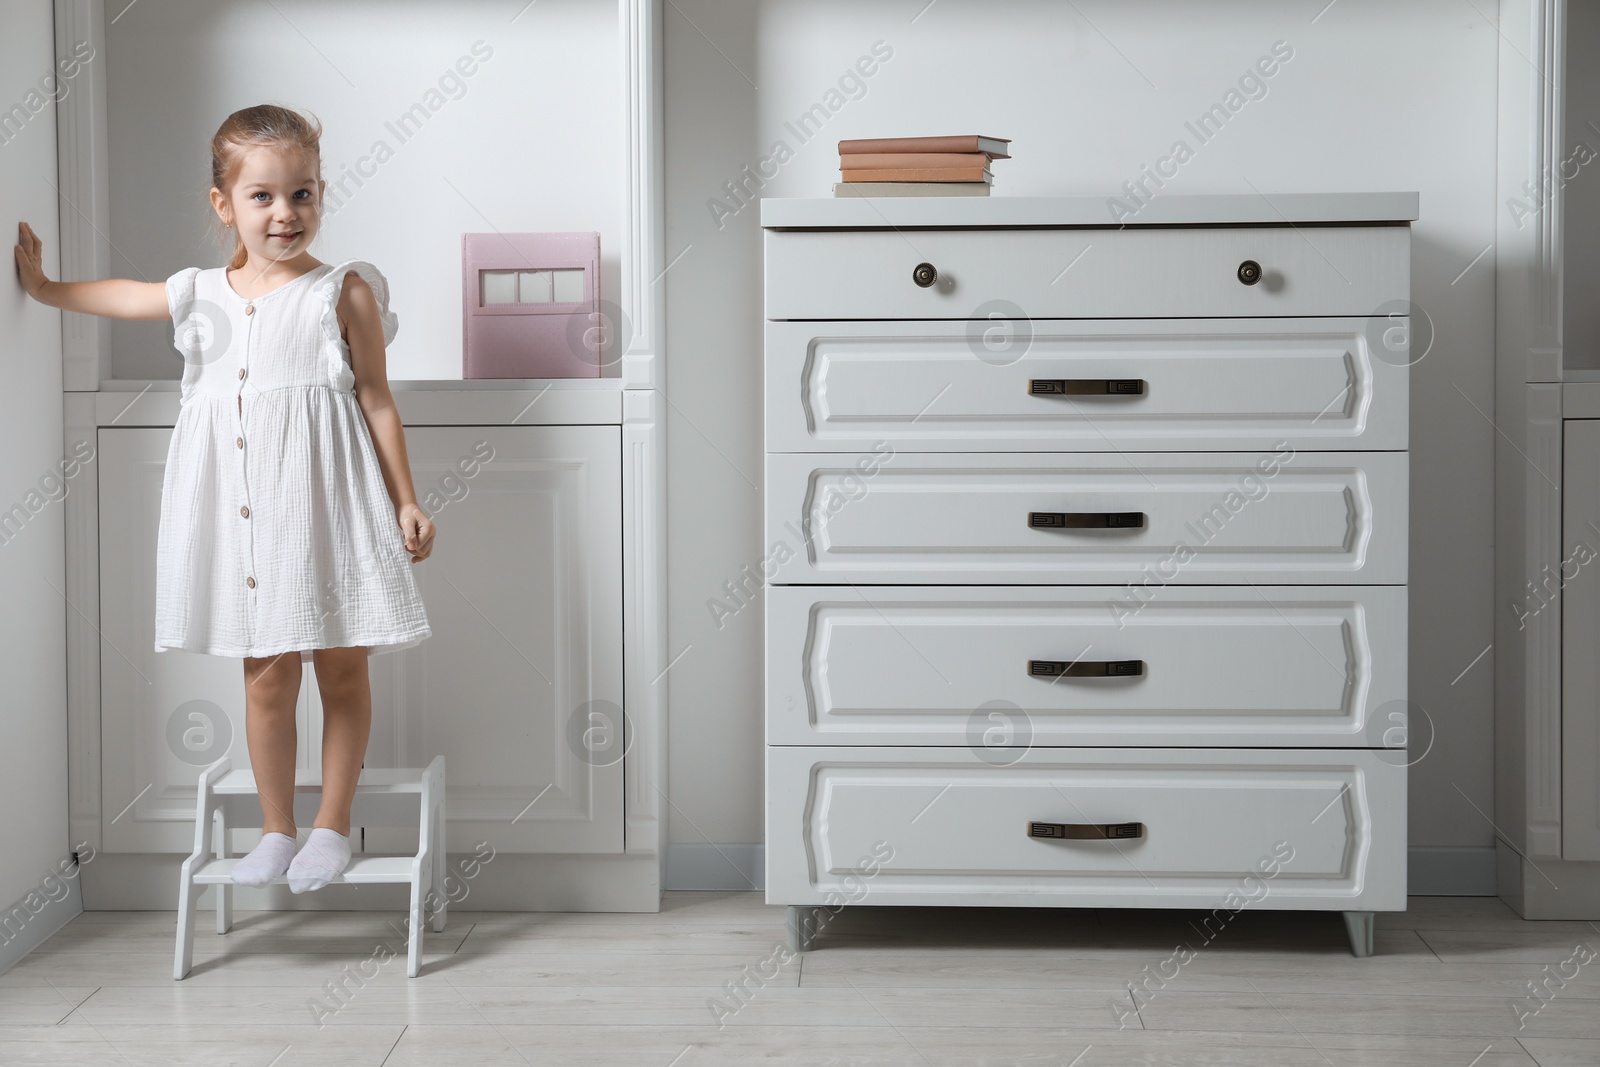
<point>886,986</point>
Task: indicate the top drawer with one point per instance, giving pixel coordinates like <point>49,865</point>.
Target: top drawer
<point>1144,272</point>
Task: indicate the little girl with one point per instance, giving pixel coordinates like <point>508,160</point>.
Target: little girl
<point>287,509</point>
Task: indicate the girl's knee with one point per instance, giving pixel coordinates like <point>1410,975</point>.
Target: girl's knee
<point>341,675</point>
<point>340,662</point>
<point>271,677</point>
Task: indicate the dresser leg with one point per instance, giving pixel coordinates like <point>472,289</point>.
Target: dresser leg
<point>804,922</point>
<point>1359,925</point>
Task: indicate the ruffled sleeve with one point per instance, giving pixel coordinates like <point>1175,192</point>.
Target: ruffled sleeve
<point>180,301</point>
<point>329,288</point>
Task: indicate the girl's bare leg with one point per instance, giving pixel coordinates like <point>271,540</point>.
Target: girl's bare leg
<point>272,687</point>
<point>346,692</point>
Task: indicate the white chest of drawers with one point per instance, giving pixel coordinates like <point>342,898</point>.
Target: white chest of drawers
<point>1086,551</point>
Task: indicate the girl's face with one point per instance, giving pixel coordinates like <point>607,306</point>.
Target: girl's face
<point>274,203</point>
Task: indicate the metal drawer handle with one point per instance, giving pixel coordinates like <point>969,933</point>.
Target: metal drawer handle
<point>925,274</point>
<point>1249,272</point>
<point>1086,387</point>
<point>1105,668</point>
<point>1086,520</point>
<point>1087,831</point>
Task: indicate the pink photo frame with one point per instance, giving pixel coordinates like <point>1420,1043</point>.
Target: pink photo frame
<point>530,305</point>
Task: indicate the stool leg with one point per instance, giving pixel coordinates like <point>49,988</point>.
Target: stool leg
<point>414,942</point>
<point>183,959</point>
<point>439,869</point>
<point>224,891</point>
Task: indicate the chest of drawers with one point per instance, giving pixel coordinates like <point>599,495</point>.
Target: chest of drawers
<point>1086,551</point>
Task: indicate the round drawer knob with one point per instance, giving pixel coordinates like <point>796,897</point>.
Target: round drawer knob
<point>925,274</point>
<point>1249,272</point>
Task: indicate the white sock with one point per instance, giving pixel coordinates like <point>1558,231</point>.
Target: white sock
<point>266,861</point>
<point>325,855</point>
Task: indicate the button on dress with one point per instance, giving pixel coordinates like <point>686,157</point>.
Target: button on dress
<point>277,532</point>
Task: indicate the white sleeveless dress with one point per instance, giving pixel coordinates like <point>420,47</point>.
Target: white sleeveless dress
<point>277,532</point>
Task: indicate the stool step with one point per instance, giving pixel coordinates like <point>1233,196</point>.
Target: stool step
<point>372,780</point>
<point>363,870</point>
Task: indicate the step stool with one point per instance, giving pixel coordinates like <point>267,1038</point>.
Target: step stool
<point>384,797</point>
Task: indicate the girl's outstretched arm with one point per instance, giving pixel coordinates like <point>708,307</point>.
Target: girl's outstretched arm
<point>118,298</point>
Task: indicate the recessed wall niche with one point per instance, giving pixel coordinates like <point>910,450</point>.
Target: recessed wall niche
<point>416,151</point>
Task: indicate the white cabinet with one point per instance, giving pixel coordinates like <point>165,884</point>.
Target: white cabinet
<point>520,685</point>
<point>1087,552</point>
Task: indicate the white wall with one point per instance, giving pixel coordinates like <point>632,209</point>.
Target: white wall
<point>33,711</point>
<point>1377,96</point>
<point>530,141</point>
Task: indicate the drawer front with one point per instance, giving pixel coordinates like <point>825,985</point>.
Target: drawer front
<point>1137,272</point>
<point>1087,385</point>
<point>977,667</point>
<point>928,826</point>
<point>905,518</point>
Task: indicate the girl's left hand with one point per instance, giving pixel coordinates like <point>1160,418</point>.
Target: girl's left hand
<point>418,529</point>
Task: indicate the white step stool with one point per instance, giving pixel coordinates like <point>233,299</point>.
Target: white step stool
<point>384,797</point>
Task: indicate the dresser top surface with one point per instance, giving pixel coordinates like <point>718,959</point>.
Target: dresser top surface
<point>1243,209</point>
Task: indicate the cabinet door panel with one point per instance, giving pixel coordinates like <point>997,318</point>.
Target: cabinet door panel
<point>519,685</point>
<point>1580,634</point>
<point>164,715</point>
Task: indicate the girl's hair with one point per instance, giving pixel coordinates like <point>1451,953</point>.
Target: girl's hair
<point>265,125</point>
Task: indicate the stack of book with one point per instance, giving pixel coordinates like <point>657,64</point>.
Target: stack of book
<point>918,166</point>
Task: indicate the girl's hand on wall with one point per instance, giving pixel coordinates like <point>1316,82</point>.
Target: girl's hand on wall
<point>30,260</point>
<point>418,529</point>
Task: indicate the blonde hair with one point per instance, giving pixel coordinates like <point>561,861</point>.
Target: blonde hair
<point>261,126</point>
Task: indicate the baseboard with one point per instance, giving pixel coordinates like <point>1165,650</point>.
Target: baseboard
<point>1451,872</point>
<point>698,865</point>
<point>26,924</point>
<point>1550,888</point>
<point>1509,869</point>
<point>1431,872</point>
<point>1464,872</point>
